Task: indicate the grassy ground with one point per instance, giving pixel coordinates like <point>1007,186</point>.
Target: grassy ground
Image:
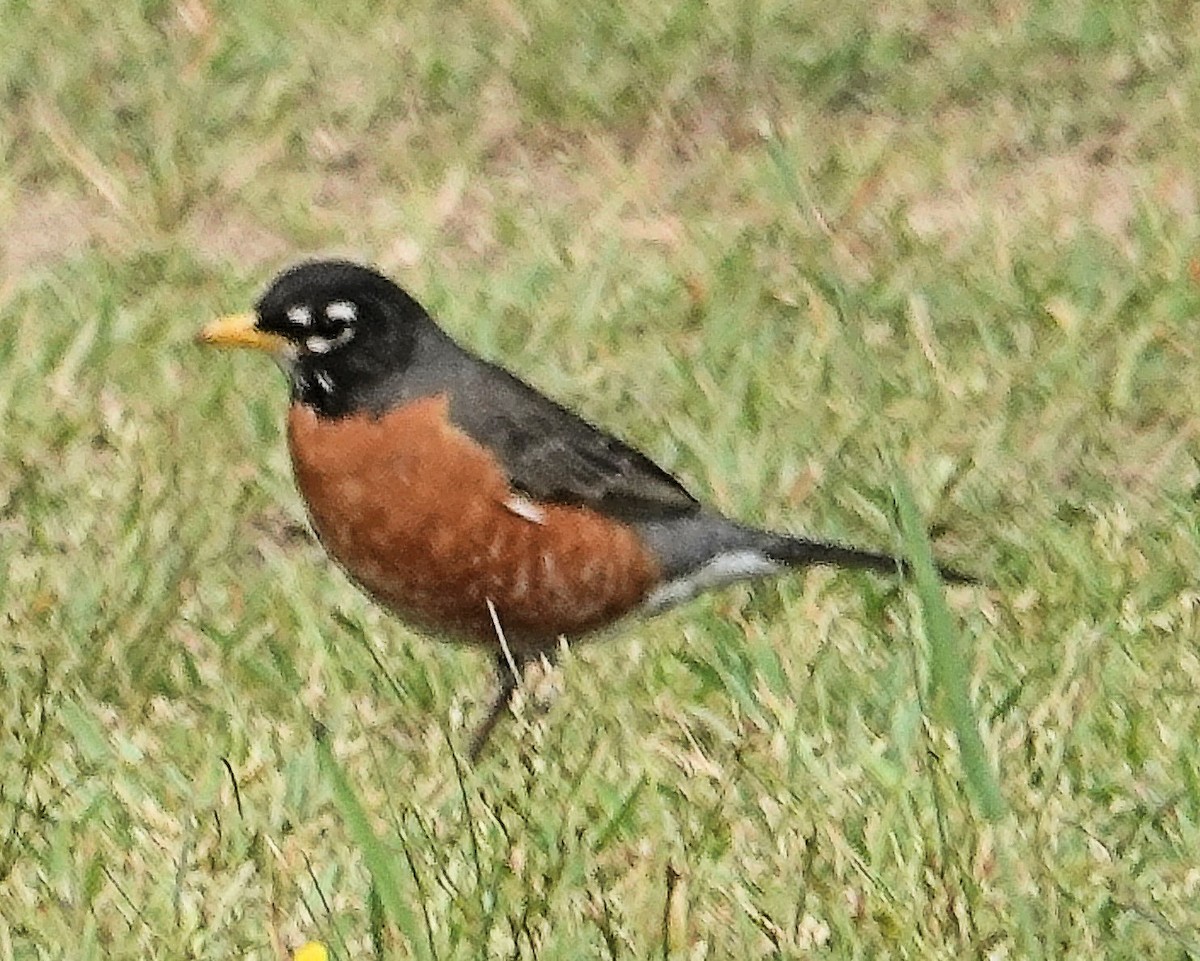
<point>783,247</point>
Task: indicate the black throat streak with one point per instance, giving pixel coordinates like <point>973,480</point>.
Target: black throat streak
<point>353,379</point>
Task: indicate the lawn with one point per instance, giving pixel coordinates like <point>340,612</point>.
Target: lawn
<point>808,257</point>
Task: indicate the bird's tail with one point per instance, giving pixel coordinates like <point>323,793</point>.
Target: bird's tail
<point>704,551</point>
<point>801,552</point>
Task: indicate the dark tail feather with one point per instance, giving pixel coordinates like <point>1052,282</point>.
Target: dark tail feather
<point>799,552</point>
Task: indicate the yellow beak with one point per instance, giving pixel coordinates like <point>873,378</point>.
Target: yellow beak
<point>241,330</point>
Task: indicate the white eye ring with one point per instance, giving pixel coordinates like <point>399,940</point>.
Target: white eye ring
<point>317,344</point>
<point>300,315</point>
<point>341,311</point>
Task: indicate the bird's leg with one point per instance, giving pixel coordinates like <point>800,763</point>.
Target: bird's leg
<point>510,670</point>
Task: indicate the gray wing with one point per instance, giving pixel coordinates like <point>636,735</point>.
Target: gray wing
<point>553,455</point>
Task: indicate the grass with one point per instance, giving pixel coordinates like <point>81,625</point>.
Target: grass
<point>790,250</point>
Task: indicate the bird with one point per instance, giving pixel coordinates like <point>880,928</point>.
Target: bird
<point>469,504</point>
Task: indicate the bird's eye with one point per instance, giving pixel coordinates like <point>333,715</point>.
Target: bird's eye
<point>334,328</point>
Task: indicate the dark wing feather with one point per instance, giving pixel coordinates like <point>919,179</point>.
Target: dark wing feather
<point>553,455</point>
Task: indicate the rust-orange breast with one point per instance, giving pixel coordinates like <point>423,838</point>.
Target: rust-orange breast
<point>423,518</point>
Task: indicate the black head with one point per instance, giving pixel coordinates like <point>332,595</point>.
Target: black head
<point>339,329</point>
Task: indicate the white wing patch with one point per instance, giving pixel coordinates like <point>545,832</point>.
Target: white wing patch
<point>723,569</point>
<point>524,507</point>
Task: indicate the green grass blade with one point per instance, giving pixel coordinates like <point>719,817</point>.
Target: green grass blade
<point>380,860</point>
<point>949,672</point>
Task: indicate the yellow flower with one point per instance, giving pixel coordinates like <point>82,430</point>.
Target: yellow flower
<point>313,951</point>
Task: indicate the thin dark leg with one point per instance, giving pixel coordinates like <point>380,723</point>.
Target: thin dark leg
<point>508,686</point>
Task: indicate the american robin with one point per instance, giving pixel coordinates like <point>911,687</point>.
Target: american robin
<point>468,503</point>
